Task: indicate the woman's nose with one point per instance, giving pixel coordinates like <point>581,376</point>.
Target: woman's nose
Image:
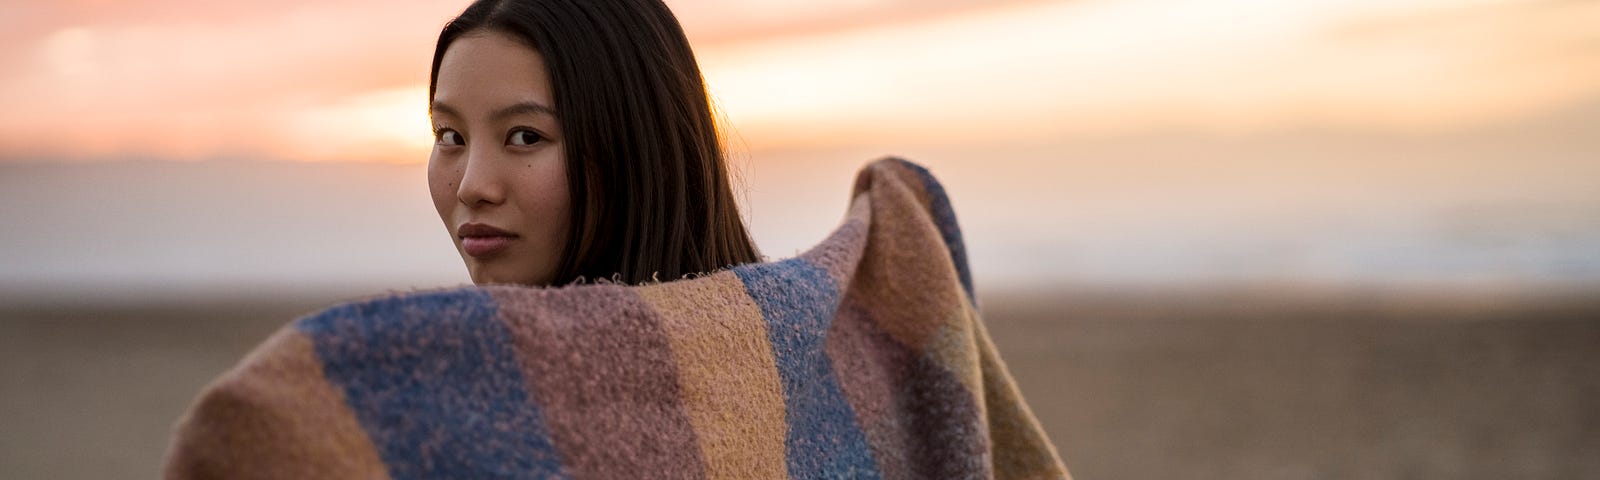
<point>480,183</point>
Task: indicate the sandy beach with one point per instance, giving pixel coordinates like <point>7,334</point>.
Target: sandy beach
<point>1216,383</point>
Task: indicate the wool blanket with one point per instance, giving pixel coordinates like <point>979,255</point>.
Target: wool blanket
<point>863,357</point>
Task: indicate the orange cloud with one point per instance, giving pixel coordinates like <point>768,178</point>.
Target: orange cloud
<point>341,81</point>
<point>1094,68</point>
<point>187,87</point>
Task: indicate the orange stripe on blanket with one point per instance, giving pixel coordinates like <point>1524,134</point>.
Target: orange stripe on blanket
<point>274,418</point>
<point>928,312</point>
<point>907,175</point>
<point>727,374</point>
<point>1020,447</point>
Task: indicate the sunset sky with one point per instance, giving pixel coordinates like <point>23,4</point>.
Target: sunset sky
<point>345,80</point>
<point>219,144</point>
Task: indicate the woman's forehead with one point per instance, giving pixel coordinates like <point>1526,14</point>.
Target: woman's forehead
<point>490,71</point>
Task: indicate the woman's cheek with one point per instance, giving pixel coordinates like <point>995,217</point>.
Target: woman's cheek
<point>442,188</point>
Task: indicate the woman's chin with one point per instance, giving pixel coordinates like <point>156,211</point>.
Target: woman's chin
<point>498,275</point>
<point>487,274</point>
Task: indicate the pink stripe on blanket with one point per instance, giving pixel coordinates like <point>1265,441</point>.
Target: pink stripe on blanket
<point>920,419</point>
<point>841,251</point>
<point>603,373</point>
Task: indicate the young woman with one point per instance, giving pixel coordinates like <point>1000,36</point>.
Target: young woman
<point>575,140</point>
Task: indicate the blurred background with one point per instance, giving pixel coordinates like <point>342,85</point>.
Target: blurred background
<point>1217,239</point>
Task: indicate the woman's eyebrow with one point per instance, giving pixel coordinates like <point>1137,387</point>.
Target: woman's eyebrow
<point>524,108</point>
<point>437,108</point>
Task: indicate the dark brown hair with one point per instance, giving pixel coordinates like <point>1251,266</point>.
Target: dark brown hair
<point>650,191</point>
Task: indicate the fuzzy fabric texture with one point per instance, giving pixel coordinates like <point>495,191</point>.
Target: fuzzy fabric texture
<point>864,357</point>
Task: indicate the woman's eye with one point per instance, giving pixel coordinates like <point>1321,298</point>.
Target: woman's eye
<point>448,137</point>
<point>524,137</point>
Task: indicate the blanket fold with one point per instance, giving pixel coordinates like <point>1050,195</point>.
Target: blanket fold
<point>864,357</point>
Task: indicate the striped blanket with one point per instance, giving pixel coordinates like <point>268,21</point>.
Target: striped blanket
<point>861,358</point>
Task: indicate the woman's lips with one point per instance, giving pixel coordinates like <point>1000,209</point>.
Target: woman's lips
<point>480,240</point>
<point>485,246</point>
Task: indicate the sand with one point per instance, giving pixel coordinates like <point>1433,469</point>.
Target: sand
<point>1235,383</point>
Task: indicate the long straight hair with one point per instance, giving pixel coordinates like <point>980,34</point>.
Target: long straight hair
<point>648,182</point>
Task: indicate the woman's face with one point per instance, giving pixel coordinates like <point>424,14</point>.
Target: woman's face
<point>498,173</point>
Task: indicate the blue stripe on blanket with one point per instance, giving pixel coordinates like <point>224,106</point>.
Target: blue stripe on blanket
<point>944,216</point>
<point>824,439</point>
<point>435,382</point>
